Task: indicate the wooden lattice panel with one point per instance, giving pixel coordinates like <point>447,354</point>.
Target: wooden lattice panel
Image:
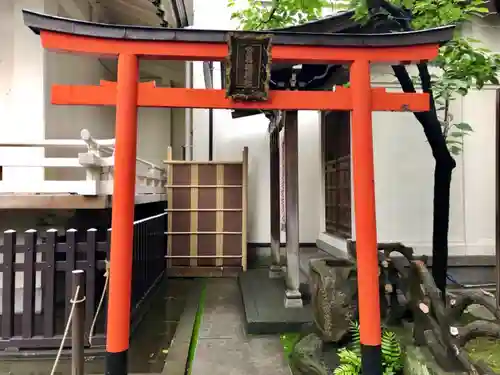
<point>337,172</point>
<point>207,217</point>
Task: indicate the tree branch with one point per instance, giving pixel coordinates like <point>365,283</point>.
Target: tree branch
<point>276,3</point>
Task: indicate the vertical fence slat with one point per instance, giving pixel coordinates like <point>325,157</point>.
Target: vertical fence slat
<point>29,283</point>
<point>219,216</point>
<point>105,303</point>
<point>170,195</point>
<point>194,205</point>
<point>48,283</point>
<point>69,267</point>
<point>146,254</point>
<point>90,282</point>
<point>134,266</point>
<point>142,245</point>
<point>165,237</point>
<point>9,258</point>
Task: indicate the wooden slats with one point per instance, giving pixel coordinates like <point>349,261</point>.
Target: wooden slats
<point>207,216</point>
<point>29,284</point>
<point>9,257</point>
<point>49,286</point>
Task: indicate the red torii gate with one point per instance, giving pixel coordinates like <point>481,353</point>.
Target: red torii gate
<point>129,43</point>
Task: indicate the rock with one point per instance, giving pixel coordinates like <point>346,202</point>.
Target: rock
<point>333,297</point>
<point>305,358</point>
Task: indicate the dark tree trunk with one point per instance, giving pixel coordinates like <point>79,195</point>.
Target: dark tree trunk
<point>442,174</point>
<point>440,225</point>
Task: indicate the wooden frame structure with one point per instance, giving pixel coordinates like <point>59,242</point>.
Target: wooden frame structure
<point>207,221</point>
<point>336,159</point>
<point>129,43</point>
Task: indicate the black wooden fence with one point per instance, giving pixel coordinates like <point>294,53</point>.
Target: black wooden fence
<point>36,281</point>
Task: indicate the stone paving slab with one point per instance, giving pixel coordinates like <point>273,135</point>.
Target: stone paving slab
<point>265,311</point>
<point>223,345</point>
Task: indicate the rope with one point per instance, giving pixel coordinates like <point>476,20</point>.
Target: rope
<point>101,302</point>
<point>73,302</point>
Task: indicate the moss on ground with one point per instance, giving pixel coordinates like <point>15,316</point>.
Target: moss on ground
<point>196,330</point>
<point>487,350</point>
<point>288,340</point>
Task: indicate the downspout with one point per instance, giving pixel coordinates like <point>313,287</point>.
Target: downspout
<point>211,118</point>
<point>208,73</point>
<point>188,119</point>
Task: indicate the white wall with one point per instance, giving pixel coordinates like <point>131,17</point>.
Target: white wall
<point>67,121</point>
<point>22,108</point>
<point>403,162</point>
<point>404,169</point>
<point>230,136</point>
<point>27,73</point>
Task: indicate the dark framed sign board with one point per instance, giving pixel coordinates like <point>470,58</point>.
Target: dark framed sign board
<point>248,67</point>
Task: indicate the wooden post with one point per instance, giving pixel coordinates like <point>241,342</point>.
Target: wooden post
<point>364,211</point>
<point>122,222</point>
<point>293,297</point>
<point>78,323</point>
<point>276,270</point>
<point>170,193</point>
<point>244,211</point>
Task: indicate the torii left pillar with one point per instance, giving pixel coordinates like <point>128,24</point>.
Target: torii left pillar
<point>118,333</point>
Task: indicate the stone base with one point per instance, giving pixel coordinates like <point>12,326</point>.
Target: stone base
<point>293,299</point>
<point>265,312</point>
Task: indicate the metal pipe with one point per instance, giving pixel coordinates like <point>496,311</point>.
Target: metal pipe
<point>211,117</point>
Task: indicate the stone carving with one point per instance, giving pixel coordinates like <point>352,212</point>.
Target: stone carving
<point>306,356</point>
<point>333,290</point>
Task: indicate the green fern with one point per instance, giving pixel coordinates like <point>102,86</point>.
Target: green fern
<point>355,345</point>
<point>346,369</point>
<point>392,355</point>
<point>350,358</point>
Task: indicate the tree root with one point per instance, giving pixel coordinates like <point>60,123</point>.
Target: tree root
<point>408,288</point>
<point>437,327</point>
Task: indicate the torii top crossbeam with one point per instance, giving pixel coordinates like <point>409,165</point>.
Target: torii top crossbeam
<point>129,43</point>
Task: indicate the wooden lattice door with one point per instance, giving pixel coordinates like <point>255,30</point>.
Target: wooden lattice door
<point>337,172</point>
<point>207,217</point>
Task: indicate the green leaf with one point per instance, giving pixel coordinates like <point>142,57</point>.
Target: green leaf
<point>455,150</point>
<point>464,127</point>
<point>345,369</point>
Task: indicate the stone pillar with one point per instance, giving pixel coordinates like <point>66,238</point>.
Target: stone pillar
<point>276,269</point>
<point>293,297</point>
